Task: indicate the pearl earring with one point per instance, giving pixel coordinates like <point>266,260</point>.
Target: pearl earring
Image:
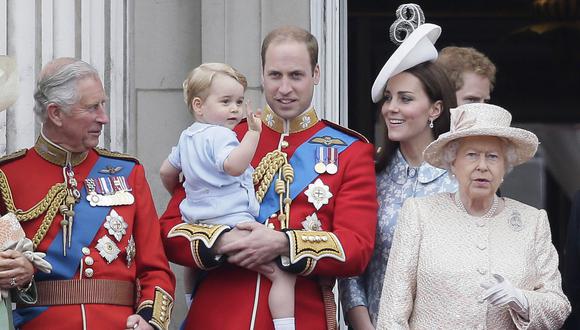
<point>430,123</point>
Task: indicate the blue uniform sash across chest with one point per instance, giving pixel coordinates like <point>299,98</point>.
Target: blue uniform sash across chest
<point>302,161</point>
<point>87,222</point>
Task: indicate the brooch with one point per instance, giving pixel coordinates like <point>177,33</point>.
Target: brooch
<point>515,221</point>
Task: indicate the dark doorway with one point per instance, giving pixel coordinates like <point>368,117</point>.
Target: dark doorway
<point>536,49</point>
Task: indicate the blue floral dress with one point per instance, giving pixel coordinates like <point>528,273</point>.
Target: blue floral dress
<point>395,184</point>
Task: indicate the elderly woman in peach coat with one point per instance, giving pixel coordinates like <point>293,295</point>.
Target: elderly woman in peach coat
<point>470,259</point>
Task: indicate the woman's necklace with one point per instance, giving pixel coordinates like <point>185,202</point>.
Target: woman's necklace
<point>489,213</point>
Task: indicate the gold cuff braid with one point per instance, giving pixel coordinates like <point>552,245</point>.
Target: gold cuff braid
<point>315,245</point>
<point>208,234</point>
<point>162,306</point>
<point>309,268</point>
<point>144,304</point>
<point>198,234</point>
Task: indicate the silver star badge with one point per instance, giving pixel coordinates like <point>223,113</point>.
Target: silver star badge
<point>116,225</point>
<point>107,249</point>
<point>318,193</point>
<point>131,251</point>
<point>312,223</point>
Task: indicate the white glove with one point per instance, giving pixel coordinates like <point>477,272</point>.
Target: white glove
<point>504,293</point>
<point>24,245</point>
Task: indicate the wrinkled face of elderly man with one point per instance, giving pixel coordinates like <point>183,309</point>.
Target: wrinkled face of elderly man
<point>70,100</point>
<point>81,124</point>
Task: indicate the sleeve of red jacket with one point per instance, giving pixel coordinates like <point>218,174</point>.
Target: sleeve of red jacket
<point>352,234</point>
<point>155,280</point>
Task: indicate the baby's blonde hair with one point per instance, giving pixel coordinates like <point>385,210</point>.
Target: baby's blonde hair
<point>199,80</point>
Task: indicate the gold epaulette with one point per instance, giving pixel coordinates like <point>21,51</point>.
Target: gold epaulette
<point>346,130</point>
<point>15,155</point>
<point>114,154</point>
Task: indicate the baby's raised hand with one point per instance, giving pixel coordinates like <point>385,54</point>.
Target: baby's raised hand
<point>253,117</point>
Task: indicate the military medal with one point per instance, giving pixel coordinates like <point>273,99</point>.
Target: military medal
<point>318,193</point>
<point>107,249</point>
<point>131,251</point>
<point>320,166</point>
<point>108,191</point>
<point>92,196</point>
<point>332,166</point>
<point>116,225</point>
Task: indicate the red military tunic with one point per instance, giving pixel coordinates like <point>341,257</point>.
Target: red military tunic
<point>226,298</point>
<point>28,177</point>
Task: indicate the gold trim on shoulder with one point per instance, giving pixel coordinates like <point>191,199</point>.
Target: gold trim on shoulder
<point>49,204</point>
<point>114,154</point>
<point>303,122</point>
<point>13,156</point>
<point>162,306</point>
<point>346,130</point>
<point>315,245</point>
<point>55,154</point>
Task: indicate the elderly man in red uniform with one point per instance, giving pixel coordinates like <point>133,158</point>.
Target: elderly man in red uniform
<point>316,186</point>
<point>90,211</point>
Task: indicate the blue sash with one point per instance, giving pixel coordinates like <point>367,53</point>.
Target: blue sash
<point>302,161</point>
<point>87,222</point>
